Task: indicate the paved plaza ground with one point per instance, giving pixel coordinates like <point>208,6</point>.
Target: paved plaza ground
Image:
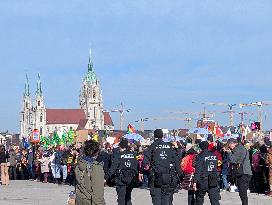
<point>33,193</point>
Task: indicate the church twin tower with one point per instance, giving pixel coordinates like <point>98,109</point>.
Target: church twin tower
<point>90,115</point>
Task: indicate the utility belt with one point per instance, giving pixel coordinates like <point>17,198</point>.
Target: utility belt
<point>126,176</point>
<point>212,179</point>
<point>165,178</point>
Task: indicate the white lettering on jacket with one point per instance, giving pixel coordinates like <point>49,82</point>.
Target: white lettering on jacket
<point>127,156</point>
<point>210,158</point>
<point>163,147</point>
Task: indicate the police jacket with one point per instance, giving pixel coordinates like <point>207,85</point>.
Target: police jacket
<point>123,160</point>
<point>105,157</point>
<point>162,158</point>
<point>206,163</point>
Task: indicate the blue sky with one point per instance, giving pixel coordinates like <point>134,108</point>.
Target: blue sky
<point>154,56</point>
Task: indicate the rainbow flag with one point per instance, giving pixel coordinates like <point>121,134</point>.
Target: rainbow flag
<point>131,129</point>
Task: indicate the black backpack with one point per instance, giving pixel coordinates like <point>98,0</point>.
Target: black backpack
<point>161,158</point>
<point>128,167</point>
<point>128,176</point>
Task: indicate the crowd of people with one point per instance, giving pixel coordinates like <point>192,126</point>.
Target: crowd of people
<point>55,165</point>
<point>201,167</point>
<point>204,167</point>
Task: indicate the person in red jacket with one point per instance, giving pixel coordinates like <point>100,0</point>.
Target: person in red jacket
<point>187,166</point>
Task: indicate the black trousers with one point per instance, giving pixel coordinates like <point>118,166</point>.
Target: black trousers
<point>258,178</point>
<point>13,172</point>
<point>124,194</point>
<point>161,195</point>
<point>243,185</point>
<point>191,197</point>
<point>213,192</point>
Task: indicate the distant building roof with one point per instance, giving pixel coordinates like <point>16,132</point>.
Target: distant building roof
<point>107,119</point>
<point>183,132</point>
<point>64,116</point>
<point>117,133</point>
<point>72,116</point>
<point>82,124</point>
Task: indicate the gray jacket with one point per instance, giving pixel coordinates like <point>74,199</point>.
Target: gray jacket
<point>13,159</point>
<point>240,155</point>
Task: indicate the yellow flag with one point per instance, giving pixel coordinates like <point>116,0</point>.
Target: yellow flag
<point>95,138</point>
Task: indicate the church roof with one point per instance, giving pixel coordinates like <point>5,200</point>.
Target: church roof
<point>72,116</point>
<point>64,116</point>
<point>107,119</point>
<point>82,124</point>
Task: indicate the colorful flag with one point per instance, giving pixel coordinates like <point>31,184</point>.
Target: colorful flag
<point>55,139</point>
<point>229,133</point>
<point>71,136</point>
<point>63,139</point>
<point>131,129</point>
<point>25,143</point>
<point>218,131</point>
<point>45,141</point>
<point>95,137</point>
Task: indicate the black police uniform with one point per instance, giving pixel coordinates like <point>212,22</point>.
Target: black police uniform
<point>125,167</point>
<point>206,177</point>
<point>164,171</point>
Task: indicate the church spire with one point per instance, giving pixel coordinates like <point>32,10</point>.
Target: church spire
<point>90,64</point>
<point>39,86</point>
<point>27,92</point>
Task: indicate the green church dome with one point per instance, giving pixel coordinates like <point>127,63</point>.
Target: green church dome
<point>90,76</point>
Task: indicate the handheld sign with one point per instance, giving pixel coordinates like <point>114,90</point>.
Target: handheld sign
<point>35,136</point>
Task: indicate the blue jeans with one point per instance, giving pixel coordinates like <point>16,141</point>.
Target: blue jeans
<point>55,171</point>
<point>30,170</point>
<point>145,181</point>
<point>225,182</point>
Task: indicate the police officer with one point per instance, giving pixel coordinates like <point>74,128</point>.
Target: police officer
<point>206,176</point>
<point>164,170</point>
<point>125,167</point>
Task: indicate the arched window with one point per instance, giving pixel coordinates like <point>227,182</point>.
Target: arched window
<point>41,132</point>
<point>41,118</point>
<point>94,93</point>
<point>39,103</point>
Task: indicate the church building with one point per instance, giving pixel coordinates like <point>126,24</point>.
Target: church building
<point>90,115</point>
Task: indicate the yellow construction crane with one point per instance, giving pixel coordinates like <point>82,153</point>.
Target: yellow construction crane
<point>259,106</point>
<point>230,109</point>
